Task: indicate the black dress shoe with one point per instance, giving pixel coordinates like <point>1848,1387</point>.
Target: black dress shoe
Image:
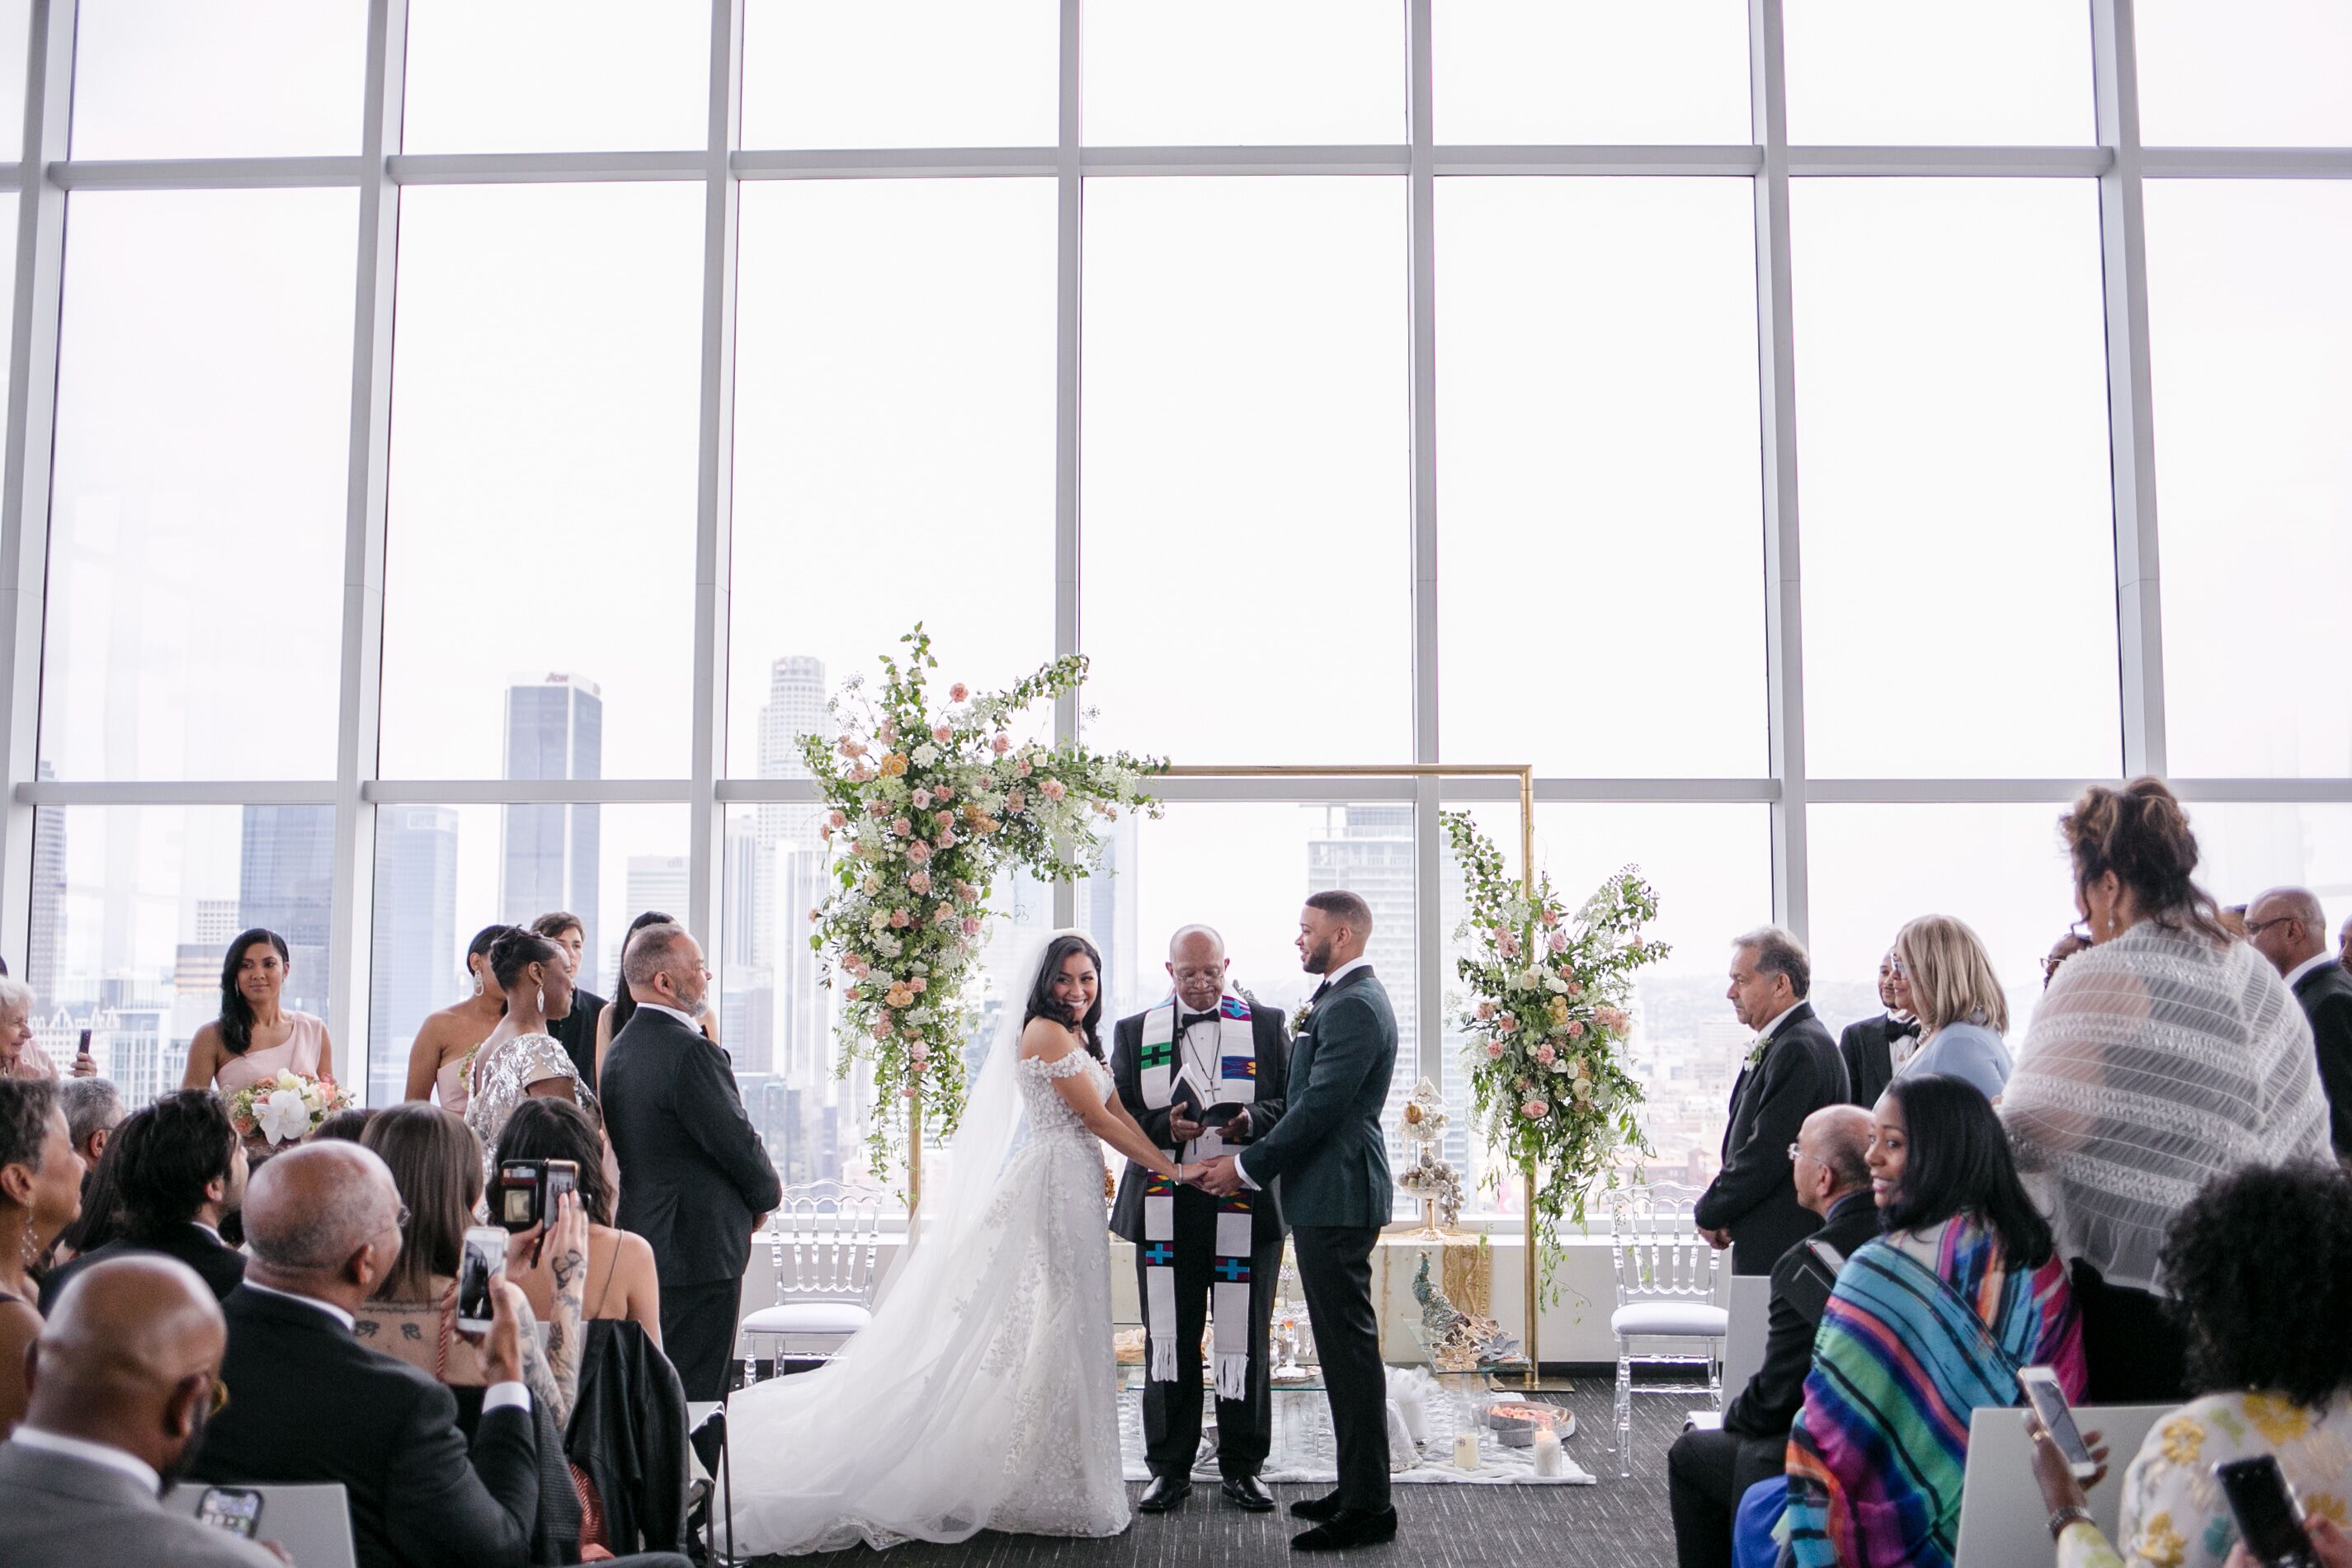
<point>1246,1492</point>
<point>1316,1508</point>
<point>1164,1493</point>
<point>1348,1527</point>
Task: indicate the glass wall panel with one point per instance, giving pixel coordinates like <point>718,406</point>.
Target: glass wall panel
<point>2252,353</point>
<point>1997,71</point>
<point>894,416</point>
<point>901,73</point>
<point>201,486</point>
<point>1602,548</point>
<point>2253,73</point>
<point>2247,849</point>
<point>1222,72</point>
<point>1247,592</point>
<point>134,908</point>
<point>443,872</point>
<point>15,37</point>
<point>261,78</point>
<point>556,76</point>
<point>1589,71</point>
<point>542,515</point>
<point>1958,571</point>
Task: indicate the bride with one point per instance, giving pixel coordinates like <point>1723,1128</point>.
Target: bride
<point>982,1394</point>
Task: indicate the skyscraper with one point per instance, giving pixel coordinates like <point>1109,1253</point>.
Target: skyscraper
<point>547,861</point>
<point>48,899</point>
<point>1368,852</point>
<point>795,707</point>
<point>414,970</point>
<point>286,881</point>
<point>657,882</point>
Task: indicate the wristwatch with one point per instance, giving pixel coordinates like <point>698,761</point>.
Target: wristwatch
<point>2073,1513</point>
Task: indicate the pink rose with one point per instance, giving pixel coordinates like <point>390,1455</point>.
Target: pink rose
<point>1000,744</point>
<point>944,915</point>
<point>918,985</point>
<point>861,774</point>
<point>1015,803</point>
<point>838,819</point>
<point>826,833</point>
<point>909,1092</point>
<point>943,734</point>
<point>1506,1023</point>
<point>1576,1029</point>
<point>888,733</point>
<point>1485,1010</point>
<point>1550,917</point>
<point>898,920</point>
<point>1545,1054</point>
<point>1494,1050</point>
<point>1053,788</point>
<point>1534,1109</point>
<point>942,794</point>
<point>919,852</point>
<point>958,692</point>
<point>881,1029</point>
<point>900,826</point>
<point>878,808</point>
<point>1557,942</point>
<point>947,839</point>
<point>1021,768</point>
<point>918,881</point>
<point>972,925</point>
<point>945,818</point>
<point>1574,989</point>
<point>920,1053</point>
<point>968,893</point>
<point>922,799</point>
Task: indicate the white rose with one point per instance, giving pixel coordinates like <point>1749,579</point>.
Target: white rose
<point>282,1116</point>
<point>925,755</point>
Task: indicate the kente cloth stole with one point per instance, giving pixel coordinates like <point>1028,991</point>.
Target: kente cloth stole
<point>1161,1060</point>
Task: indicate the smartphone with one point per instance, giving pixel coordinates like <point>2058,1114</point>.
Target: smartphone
<point>481,1266</point>
<point>85,1043</point>
<point>527,1190</point>
<point>2049,1401</point>
<point>236,1510</point>
<point>2270,1519</point>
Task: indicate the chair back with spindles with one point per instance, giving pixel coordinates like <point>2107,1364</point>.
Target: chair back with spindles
<point>1655,1247</point>
<point>824,1240</point>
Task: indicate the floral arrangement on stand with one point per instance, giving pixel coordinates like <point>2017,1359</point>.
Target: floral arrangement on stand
<point>285,1109</point>
<point>926,806</point>
<point>1433,1180</point>
<point>1547,1025</point>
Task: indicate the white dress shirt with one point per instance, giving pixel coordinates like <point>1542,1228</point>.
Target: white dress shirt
<point>688,1019</point>
<point>1778,1019</point>
<point>105,1454</point>
<point>497,1396</point>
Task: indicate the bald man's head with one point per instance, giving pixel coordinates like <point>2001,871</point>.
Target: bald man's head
<point>310,1214</point>
<point>2287,927</point>
<point>129,1357</point>
<point>1832,1149</point>
<point>1196,962</point>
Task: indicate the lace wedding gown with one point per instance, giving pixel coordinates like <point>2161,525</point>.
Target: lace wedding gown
<point>983,1395</point>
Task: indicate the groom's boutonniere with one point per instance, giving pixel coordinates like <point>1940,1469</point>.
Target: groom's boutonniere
<point>1300,1020</point>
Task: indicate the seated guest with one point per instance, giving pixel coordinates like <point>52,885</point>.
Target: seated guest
<point>1707,1472</point>
<point>621,1282</point>
<point>576,1029</point>
<point>2287,927</point>
<point>2261,1269</point>
<point>1926,1325</point>
<point>125,1371</point>
<point>100,1220</point>
<point>349,1126</point>
<point>1874,1048</point>
<point>180,1172</point>
<point>40,1193</point>
<point>521,1058</point>
<point>20,1057</point>
<point>436,1167</point>
<point>1944,976</point>
<point>311,1403</point>
<point>93,1110</point>
<point>2166,1055</point>
<point>442,1056</point>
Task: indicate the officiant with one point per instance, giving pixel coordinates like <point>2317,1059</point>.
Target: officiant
<point>1204,1073</point>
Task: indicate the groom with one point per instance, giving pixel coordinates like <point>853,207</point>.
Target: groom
<point>1205,1047</point>
<point>1332,1162</point>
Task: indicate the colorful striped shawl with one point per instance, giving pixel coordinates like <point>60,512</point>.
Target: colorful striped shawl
<point>1904,1356</point>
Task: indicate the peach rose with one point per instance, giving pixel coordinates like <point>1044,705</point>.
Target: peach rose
<point>894,766</point>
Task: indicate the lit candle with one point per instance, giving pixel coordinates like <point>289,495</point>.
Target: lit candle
<point>1551,1460</point>
<point>1465,1450</point>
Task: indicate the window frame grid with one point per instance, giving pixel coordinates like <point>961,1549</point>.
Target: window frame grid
<point>45,175</point>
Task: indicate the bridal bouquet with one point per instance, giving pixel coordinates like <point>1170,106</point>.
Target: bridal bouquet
<point>285,1109</point>
<point>1547,1021</point>
<point>926,805</point>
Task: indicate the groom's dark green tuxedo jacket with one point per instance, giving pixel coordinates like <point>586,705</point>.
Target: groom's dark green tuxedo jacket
<point>1328,1152</point>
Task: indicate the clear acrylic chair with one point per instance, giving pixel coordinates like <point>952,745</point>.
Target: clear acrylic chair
<point>824,1240</point>
<point>1666,1313</point>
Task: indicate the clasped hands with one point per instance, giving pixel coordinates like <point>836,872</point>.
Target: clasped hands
<point>1220,1176</point>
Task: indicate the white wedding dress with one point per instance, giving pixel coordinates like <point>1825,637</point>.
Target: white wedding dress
<point>983,1395</point>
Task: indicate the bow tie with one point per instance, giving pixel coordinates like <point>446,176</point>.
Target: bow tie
<point>1902,1026</point>
<point>1188,1020</point>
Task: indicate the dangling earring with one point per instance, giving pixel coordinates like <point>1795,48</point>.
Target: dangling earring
<point>543,1001</point>
<point>477,982</point>
<point>30,1248</point>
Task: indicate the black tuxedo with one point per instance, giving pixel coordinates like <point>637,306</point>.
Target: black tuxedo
<point>1867,1049</point>
<point>694,1177</point>
<point>1708,1473</point>
<point>2326,994</point>
<point>1171,1411</point>
<point>309,1403</point>
<point>1754,1196</point>
<point>221,1266</point>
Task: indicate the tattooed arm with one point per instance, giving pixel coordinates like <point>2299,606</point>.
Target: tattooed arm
<point>563,1267</point>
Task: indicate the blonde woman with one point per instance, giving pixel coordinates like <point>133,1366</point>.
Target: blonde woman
<point>1943,977</point>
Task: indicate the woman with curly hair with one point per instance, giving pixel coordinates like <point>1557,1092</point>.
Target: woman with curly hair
<point>2260,1270</point>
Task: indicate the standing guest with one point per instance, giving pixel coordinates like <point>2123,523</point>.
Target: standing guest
<point>40,1193</point>
<point>443,1052</point>
<point>622,1283</point>
<point>521,1058</point>
<point>253,1038</point>
<point>2066,947</point>
<point>1792,1071</point>
<point>2164,1056</point>
<point>696,1181</point>
<point>1945,979</point>
<point>180,1172</point>
<point>1707,1472</point>
<point>2287,927</point>
<point>624,1007</point>
<point>93,1110</point>
<point>576,1029</point>
<point>20,1055</point>
<point>1873,1049</point>
<point>1928,1324</point>
<point>123,1378</point>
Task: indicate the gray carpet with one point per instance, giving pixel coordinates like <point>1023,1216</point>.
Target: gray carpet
<point>1616,1524</point>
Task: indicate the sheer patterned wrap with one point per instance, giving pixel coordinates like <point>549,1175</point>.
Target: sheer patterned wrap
<point>2156,1062</point>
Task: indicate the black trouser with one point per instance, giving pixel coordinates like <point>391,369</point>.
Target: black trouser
<point>699,1334</point>
<point>1706,1475</point>
<point>2132,1349</point>
<point>1171,1411</point>
<point>1335,1272</point>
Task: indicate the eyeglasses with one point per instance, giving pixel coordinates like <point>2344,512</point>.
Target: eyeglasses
<point>1795,1154</point>
<point>402,1220</point>
<point>2254,927</point>
<point>220,1395</point>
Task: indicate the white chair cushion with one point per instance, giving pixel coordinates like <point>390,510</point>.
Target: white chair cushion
<point>809,1317</point>
<point>1694,1320</point>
